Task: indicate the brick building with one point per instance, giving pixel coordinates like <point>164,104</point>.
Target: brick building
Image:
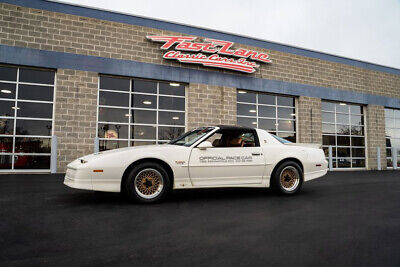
<point>83,75</point>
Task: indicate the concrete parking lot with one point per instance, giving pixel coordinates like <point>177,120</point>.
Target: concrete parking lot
<point>343,219</point>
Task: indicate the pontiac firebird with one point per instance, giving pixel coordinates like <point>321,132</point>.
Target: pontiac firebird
<point>206,157</point>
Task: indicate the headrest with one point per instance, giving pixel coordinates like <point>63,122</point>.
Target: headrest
<point>236,141</point>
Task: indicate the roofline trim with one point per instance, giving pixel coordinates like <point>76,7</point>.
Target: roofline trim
<point>107,15</point>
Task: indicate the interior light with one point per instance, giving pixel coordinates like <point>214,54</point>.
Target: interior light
<point>174,84</point>
<point>252,111</point>
<point>15,108</point>
<point>276,124</point>
<point>343,104</point>
<point>6,91</point>
<point>293,114</point>
<point>146,102</point>
<point>127,115</point>
<point>254,122</point>
<point>175,118</point>
<point>241,92</point>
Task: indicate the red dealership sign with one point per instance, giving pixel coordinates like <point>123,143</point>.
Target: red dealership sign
<point>210,53</point>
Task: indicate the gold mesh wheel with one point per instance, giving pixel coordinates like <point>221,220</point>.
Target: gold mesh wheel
<point>289,178</point>
<point>148,183</point>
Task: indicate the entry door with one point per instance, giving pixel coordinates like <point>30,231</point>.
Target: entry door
<point>226,166</point>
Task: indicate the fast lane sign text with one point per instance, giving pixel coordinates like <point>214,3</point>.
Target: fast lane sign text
<point>214,47</point>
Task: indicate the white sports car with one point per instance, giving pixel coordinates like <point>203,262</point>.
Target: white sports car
<point>217,156</point>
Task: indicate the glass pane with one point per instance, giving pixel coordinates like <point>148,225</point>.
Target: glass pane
<point>144,87</point>
<point>36,76</point>
<point>389,162</point>
<point>328,117</point>
<point>112,83</point>
<point>169,133</point>
<point>34,92</point>
<point>357,130</point>
<point>32,145</point>
<point>144,101</point>
<point>35,110</point>
<point>6,144</point>
<point>33,127</point>
<point>6,126</point>
<point>246,110</point>
<point>329,140</point>
<point>343,141</point>
<point>357,141</point>
<point>247,122</point>
<point>143,132</point>
<point>397,113</point>
<point>172,103</point>
<point>172,89</point>
<point>113,115</point>
<point>326,151</point>
<point>389,122</point>
<point>113,131</point>
<point>266,99</point>
<point>8,74</point>
<point>343,129</point>
<point>355,109</point>
<point>111,144</point>
<point>328,128</point>
<point>171,118</point>
<point>5,160</point>
<point>343,152</point>
<point>113,99</point>
<point>286,113</point>
<point>284,125</point>
<point>7,108</point>
<point>389,112</point>
<point>358,152</point>
<point>267,111</point>
<point>145,116</point>
<point>328,106</point>
<point>344,163</point>
<point>7,90</point>
<point>31,162</point>
<point>388,142</point>
<point>142,143</point>
<point>342,118</point>
<point>267,124</point>
<point>288,136</point>
<point>285,101</point>
<point>356,120</point>
<point>358,163</point>
<point>245,96</point>
<point>342,108</point>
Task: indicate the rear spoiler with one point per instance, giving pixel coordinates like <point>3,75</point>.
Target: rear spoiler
<point>304,145</point>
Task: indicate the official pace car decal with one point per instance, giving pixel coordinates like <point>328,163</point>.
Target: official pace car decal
<point>214,47</point>
<point>225,159</point>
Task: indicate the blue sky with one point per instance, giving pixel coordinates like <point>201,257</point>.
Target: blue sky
<point>366,30</point>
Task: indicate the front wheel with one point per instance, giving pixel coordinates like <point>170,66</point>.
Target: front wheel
<point>288,178</point>
<point>147,182</point>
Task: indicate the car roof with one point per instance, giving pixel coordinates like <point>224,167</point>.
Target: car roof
<point>234,128</point>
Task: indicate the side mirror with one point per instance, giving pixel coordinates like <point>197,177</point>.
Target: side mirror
<point>204,145</point>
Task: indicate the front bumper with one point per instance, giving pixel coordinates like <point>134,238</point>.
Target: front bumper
<point>78,178</point>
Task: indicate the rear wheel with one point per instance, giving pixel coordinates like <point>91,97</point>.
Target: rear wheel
<point>147,182</point>
<point>288,178</point>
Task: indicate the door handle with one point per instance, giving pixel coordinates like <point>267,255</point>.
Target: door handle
<point>256,154</point>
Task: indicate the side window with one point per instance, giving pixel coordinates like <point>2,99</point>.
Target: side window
<point>233,139</point>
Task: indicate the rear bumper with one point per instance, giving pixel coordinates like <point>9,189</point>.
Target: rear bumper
<point>78,178</point>
<point>316,174</point>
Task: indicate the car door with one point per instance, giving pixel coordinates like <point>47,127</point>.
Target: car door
<point>227,165</point>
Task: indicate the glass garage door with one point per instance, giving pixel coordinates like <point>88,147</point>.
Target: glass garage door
<point>273,113</point>
<point>392,123</point>
<point>134,112</point>
<point>343,129</point>
<point>26,116</point>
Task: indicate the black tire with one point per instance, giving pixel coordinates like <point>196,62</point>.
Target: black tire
<point>143,179</point>
<point>289,184</point>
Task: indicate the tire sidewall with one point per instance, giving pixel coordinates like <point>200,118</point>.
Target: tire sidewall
<point>130,183</point>
<point>276,184</point>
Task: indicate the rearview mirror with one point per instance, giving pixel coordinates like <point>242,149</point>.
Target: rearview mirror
<point>204,145</point>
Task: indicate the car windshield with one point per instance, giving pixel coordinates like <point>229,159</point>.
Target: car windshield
<point>189,138</point>
<point>280,139</point>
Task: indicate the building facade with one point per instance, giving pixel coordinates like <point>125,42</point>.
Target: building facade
<point>102,80</point>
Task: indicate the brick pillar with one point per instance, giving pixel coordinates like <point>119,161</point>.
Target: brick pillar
<point>75,114</point>
<point>210,105</point>
<point>309,120</point>
<point>375,135</point>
